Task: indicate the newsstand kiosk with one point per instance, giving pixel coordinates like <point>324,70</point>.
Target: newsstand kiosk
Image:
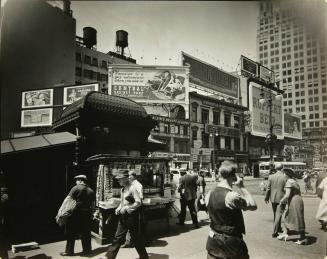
<point>112,134</point>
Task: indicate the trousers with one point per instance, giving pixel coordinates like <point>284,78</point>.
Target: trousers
<point>278,212</point>
<point>127,222</point>
<point>191,206</point>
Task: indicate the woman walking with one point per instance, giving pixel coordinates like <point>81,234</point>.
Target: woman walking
<point>294,215</point>
<point>322,209</point>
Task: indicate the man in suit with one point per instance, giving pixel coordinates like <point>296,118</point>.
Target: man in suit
<point>275,192</point>
<point>187,188</point>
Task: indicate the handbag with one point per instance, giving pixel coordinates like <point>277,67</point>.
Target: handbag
<point>66,210</point>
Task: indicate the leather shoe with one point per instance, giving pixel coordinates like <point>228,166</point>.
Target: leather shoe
<point>274,235</point>
<point>66,254</point>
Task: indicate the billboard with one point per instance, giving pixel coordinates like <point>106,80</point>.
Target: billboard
<point>249,67</point>
<point>211,77</point>
<point>76,92</point>
<point>260,113</point>
<point>292,126</point>
<point>150,84</point>
<point>37,98</point>
<point>36,118</point>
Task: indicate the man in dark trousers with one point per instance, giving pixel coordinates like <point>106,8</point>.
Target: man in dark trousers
<point>225,211</point>
<point>275,192</point>
<point>128,212</point>
<point>187,189</point>
<point>79,223</point>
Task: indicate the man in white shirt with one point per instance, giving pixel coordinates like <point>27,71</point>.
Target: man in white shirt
<point>128,212</point>
<point>225,207</point>
<point>135,184</point>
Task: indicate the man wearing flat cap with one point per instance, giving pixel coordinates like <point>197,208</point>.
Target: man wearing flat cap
<point>79,223</point>
<point>128,212</point>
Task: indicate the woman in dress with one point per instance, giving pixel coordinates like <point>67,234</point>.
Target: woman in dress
<point>322,209</point>
<point>294,215</point>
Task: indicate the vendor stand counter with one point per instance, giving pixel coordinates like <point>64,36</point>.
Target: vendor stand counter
<point>152,173</point>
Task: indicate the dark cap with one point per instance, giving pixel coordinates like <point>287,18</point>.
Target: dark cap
<point>80,177</point>
<point>122,174</point>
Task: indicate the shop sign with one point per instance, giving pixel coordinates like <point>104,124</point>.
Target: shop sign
<point>211,77</point>
<point>36,118</point>
<point>260,113</point>
<point>161,154</point>
<point>169,120</point>
<point>150,84</point>
<point>195,158</point>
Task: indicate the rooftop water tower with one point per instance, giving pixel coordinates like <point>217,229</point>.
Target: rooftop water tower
<point>121,41</point>
<point>89,37</point>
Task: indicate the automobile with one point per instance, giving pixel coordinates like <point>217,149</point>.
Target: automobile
<point>176,172</point>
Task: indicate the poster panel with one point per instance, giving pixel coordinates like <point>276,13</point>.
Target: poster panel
<point>150,84</point>
<point>36,118</point>
<point>211,77</point>
<point>37,98</point>
<point>292,126</point>
<point>76,92</point>
<point>260,113</point>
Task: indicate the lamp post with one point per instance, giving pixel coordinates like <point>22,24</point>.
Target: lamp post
<point>271,137</point>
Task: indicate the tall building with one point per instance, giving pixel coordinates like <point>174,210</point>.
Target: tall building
<point>292,41</point>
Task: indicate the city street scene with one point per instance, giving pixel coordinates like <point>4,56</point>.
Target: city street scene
<point>163,129</point>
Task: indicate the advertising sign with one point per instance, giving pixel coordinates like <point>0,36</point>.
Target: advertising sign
<point>211,77</point>
<point>292,126</point>
<point>36,118</point>
<point>266,74</point>
<point>260,113</point>
<point>76,92</point>
<point>150,84</point>
<point>249,67</point>
<point>37,98</point>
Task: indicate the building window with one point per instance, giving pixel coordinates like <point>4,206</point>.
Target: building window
<point>216,117</point>
<point>205,140</point>
<point>194,133</point>
<point>185,130</point>
<point>87,59</point>
<point>217,142</point>
<point>204,116</point>
<point>95,62</point>
<point>166,128</point>
<point>237,144</point>
<point>104,64</point>
<point>194,112</point>
<point>228,145</point>
<point>227,119</point>
<point>236,121</point>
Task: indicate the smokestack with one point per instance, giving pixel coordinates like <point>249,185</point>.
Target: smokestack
<point>66,7</point>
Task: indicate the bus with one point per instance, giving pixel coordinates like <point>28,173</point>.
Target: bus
<point>297,167</point>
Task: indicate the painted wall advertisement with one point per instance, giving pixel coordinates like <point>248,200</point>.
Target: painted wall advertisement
<point>292,126</point>
<point>150,84</point>
<point>36,118</point>
<point>260,113</point>
<point>211,77</point>
<point>76,92</point>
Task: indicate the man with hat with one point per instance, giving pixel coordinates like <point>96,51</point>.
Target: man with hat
<point>128,212</point>
<point>79,223</point>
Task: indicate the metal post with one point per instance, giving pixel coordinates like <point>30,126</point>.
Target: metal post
<point>271,147</point>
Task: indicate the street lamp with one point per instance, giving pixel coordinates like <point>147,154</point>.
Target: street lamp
<point>271,137</point>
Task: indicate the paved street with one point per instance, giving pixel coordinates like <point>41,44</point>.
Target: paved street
<point>185,242</point>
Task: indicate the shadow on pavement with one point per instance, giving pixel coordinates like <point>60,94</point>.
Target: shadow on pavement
<point>311,239</point>
<point>95,252</point>
<point>158,243</point>
<point>38,256</point>
<point>158,256</point>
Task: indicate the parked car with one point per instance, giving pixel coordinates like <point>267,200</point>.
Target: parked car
<point>177,174</point>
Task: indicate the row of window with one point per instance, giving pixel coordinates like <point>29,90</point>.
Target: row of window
<point>173,129</point>
<point>89,74</point>
<point>92,61</point>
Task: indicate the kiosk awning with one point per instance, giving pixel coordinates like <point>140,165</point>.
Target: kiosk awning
<point>35,142</point>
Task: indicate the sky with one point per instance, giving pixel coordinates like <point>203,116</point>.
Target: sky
<point>217,32</point>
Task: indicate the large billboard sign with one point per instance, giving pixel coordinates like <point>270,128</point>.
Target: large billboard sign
<point>260,115</point>
<point>37,98</point>
<point>76,92</point>
<point>150,84</point>
<point>292,126</point>
<point>36,118</point>
<point>249,67</point>
<point>211,77</point>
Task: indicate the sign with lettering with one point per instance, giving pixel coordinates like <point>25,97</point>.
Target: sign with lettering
<point>150,84</point>
<point>261,112</point>
<point>211,77</point>
<point>292,126</point>
<point>249,67</point>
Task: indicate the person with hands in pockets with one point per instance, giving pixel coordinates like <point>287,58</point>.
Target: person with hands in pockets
<point>225,205</point>
<point>128,212</point>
